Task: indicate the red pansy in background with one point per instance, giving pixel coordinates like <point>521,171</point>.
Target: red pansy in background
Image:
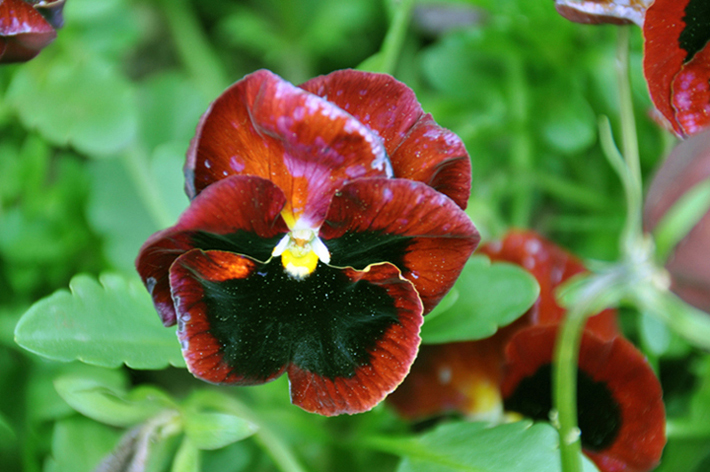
<point>27,27</point>
<point>325,221</point>
<point>676,58</point>
<point>620,408</point>
<point>689,264</point>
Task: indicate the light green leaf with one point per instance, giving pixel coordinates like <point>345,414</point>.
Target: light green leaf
<point>110,405</point>
<point>187,458</point>
<point>208,430</point>
<point>106,324</point>
<point>489,296</point>
<point>79,444</point>
<point>85,103</point>
<point>477,447</point>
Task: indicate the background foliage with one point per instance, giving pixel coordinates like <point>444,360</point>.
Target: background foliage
<point>92,140</point>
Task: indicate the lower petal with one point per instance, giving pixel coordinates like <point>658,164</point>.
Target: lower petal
<point>347,337</point>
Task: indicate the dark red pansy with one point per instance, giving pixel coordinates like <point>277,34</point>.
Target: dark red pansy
<point>464,377</point>
<point>551,266</point>
<point>676,62</point>
<point>620,410</point>
<point>26,29</point>
<point>418,148</point>
<point>688,264</point>
<point>300,253</point>
<point>603,11</point>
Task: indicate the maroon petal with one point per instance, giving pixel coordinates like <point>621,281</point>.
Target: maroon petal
<point>675,38</point>
<point>421,231</point>
<point>24,30</point>
<point>687,166</point>
<point>266,127</point>
<point>418,148</point>
<point>347,338</point>
<point>620,406</point>
<point>551,266</point>
<point>239,214</point>
<point>603,11</point>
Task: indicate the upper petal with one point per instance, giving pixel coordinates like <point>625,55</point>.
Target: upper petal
<point>239,214</point>
<point>421,231</point>
<point>603,11</point>
<point>419,149</point>
<point>620,405</point>
<point>346,337</point>
<point>264,126</point>
<point>24,30</point>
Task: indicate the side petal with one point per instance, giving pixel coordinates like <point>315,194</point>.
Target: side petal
<point>267,127</point>
<point>551,266</point>
<point>691,93</point>
<point>419,148</point>
<point>674,32</point>
<point>346,337</point>
<point>240,214</point>
<point>620,407</point>
<point>24,31</point>
<point>419,230</point>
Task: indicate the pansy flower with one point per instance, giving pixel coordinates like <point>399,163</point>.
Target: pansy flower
<point>620,408</point>
<point>27,27</point>
<point>687,167</point>
<point>325,221</point>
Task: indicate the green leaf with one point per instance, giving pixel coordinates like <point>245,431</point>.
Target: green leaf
<point>110,405</point>
<point>187,458</point>
<point>106,324</point>
<point>85,103</point>
<point>208,430</point>
<point>79,444</point>
<point>489,296</point>
<point>477,447</point>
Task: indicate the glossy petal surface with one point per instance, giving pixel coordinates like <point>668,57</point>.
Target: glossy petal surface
<point>676,62</point>
<point>23,30</point>
<point>419,149</point>
<point>551,266</point>
<point>239,214</point>
<point>244,322</point>
<point>620,407</point>
<point>404,222</point>
<point>264,126</point>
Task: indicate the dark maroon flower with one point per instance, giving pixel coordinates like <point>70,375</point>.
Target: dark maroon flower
<point>465,377</point>
<point>676,62</point>
<point>620,408</point>
<point>27,27</point>
<point>688,264</point>
<point>319,233</point>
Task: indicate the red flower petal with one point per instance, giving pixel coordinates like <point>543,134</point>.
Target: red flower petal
<point>453,378</point>
<point>24,30</point>
<point>241,214</point>
<point>603,11</point>
<point>264,126</point>
<point>418,148</point>
<point>347,338</point>
<point>689,266</point>
<point>406,223</point>
<point>675,34</point>
<point>551,266</point>
<point>613,370</point>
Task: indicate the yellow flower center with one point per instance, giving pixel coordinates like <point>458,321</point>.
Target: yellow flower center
<point>300,251</point>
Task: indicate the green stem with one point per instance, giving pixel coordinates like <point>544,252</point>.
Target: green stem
<point>137,166</point>
<point>634,193</point>
<point>392,44</point>
<point>194,49</point>
<point>521,145</point>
